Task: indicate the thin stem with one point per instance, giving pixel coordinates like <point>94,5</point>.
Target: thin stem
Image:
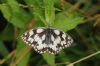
<point>71,64</point>
<point>22,55</point>
<point>9,56</point>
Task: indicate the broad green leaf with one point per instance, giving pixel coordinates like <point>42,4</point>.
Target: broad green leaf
<point>49,11</point>
<point>37,9</point>
<point>15,14</point>
<point>49,58</point>
<point>67,21</point>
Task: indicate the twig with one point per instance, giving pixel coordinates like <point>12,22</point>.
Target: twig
<point>15,36</point>
<point>10,55</point>
<point>71,64</point>
<point>22,55</point>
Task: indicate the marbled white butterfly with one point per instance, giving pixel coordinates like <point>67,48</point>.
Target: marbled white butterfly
<point>47,40</point>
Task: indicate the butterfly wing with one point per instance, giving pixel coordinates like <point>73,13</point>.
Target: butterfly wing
<point>60,40</point>
<point>34,37</point>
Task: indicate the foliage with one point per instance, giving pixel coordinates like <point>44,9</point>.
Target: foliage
<point>77,17</point>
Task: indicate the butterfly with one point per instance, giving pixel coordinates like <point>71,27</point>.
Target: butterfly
<point>49,40</point>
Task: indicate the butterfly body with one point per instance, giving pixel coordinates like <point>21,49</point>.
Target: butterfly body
<point>47,40</point>
<point>48,33</point>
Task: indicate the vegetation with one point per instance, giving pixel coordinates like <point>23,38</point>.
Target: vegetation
<point>79,18</point>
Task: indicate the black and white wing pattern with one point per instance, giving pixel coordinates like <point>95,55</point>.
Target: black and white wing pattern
<point>47,40</point>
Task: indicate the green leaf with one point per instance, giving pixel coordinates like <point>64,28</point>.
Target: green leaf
<point>67,21</point>
<point>49,58</point>
<point>37,10</point>
<point>15,14</point>
<point>49,11</point>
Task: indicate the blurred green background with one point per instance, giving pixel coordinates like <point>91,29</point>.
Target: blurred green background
<point>79,18</point>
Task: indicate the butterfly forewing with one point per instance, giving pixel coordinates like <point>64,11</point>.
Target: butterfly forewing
<point>47,40</point>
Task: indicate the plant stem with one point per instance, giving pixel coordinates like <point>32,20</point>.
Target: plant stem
<point>71,64</point>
